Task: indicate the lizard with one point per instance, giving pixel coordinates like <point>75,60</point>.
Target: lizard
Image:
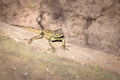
<point>51,35</point>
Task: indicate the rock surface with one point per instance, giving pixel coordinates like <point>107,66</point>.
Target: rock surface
<point>88,23</point>
<point>78,54</point>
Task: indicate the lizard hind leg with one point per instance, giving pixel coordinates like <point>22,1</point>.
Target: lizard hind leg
<point>35,38</point>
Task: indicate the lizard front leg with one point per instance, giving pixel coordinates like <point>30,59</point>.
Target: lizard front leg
<point>52,47</point>
<point>35,38</point>
<point>63,45</point>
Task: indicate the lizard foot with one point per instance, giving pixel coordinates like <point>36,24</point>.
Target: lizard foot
<point>53,49</point>
<point>64,47</point>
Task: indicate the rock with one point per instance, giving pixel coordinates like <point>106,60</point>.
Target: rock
<point>87,23</point>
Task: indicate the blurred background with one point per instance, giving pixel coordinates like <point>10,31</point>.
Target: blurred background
<point>88,25</point>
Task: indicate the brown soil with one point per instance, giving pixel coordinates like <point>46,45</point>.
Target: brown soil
<point>84,28</point>
<point>84,56</point>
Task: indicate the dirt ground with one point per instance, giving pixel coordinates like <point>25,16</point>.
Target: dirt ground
<point>36,61</point>
<point>88,25</point>
<point>20,62</point>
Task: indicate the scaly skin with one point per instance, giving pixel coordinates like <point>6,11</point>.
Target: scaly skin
<point>50,35</point>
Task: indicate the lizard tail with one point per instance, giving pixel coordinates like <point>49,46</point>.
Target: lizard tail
<point>27,28</point>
